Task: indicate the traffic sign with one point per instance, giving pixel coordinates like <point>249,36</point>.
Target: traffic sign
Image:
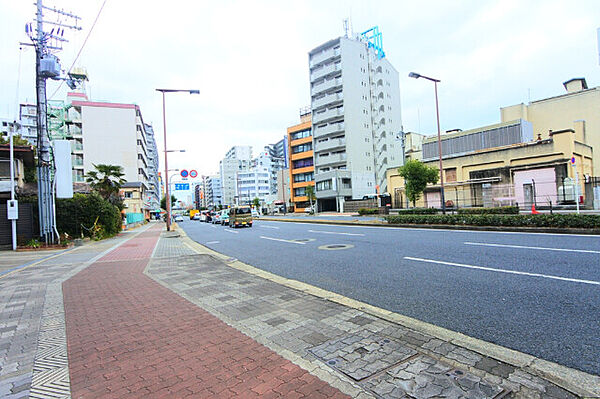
<point>573,161</point>
<point>182,186</point>
<point>184,173</point>
<point>193,173</point>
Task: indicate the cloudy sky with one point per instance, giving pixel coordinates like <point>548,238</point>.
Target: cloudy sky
<point>249,59</point>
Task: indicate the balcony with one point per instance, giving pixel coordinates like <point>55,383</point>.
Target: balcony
<point>77,161</point>
<point>76,146</point>
<point>326,70</point>
<point>323,56</point>
<point>321,160</point>
<point>330,144</point>
<point>326,85</point>
<point>328,99</point>
<point>75,131</point>
<point>332,128</point>
<point>331,113</point>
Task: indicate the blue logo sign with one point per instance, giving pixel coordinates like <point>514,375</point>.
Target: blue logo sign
<point>182,186</point>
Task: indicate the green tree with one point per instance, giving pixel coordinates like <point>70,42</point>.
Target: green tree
<point>256,202</point>
<point>163,202</point>
<point>416,177</point>
<point>17,140</point>
<point>106,180</point>
<point>310,193</point>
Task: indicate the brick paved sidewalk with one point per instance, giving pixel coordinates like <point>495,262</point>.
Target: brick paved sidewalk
<point>128,336</point>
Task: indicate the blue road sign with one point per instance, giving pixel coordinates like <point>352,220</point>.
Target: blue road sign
<point>182,186</point>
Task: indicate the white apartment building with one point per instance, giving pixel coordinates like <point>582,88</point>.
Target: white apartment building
<point>113,134</point>
<point>28,120</point>
<point>355,103</point>
<point>237,159</point>
<point>252,184</point>
<point>214,194</point>
<point>267,159</point>
<point>153,192</point>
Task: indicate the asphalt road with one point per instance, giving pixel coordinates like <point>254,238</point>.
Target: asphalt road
<point>535,293</point>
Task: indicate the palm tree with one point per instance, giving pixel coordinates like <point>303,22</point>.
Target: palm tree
<point>310,193</point>
<point>106,180</point>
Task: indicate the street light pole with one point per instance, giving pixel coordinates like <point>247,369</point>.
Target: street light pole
<point>437,111</point>
<point>168,193</point>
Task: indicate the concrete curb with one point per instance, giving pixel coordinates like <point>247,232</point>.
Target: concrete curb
<point>554,230</point>
<point>578,382</point>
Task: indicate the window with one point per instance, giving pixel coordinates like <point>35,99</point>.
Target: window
<point>300,135</point>
<point>302,177</point>
<point>128,194</point>
<point>346,182</point>
<point>324,185</point>
<point>450,175</point>
<point>300,192</point>
<point>303,163</point>
<point>301,148</point>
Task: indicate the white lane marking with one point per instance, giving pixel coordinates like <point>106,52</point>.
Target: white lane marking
<point>282,240</point>
<point>214,227</point>
<point>213,242</point>
<point>232,232</point>
<point>269,227</point>
<point>335,232</point>
<point>587,251</point>
<point>491,269</point>
<point>595,236</point>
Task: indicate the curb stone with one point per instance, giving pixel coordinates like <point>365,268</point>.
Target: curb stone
<point>578,382</point>
<point>356,222</point>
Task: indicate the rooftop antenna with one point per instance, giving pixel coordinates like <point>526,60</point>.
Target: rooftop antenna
<point>346,27</point>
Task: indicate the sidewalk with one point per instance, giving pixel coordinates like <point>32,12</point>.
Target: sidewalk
<point>152,313</point>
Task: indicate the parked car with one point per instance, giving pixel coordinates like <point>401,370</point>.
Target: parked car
<point>240,216</point>
<point>203,216</point>
<point>196,216</point>
<point>216,218</point>
<point>224,217</point>
<point>178,218</point>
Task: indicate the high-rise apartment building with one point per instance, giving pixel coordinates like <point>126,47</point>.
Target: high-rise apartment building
<point>153,192</point>
<point>236,160</point>
<point>214,195</point>
<point>355,115</point>
<point>301,160</point>
<point>28,120</point>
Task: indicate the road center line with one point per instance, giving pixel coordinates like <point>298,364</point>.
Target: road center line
<point>232,232</point>
<point>587,251</point>
<point>269,227</point>
<point>282,240</point>
<point>491,269</point>
<point>335,232</point>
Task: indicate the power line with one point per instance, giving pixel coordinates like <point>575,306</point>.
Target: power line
<point>81,49</point>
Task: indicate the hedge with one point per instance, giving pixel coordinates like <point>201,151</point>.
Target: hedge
<point>501,210</point>
<point>544,220</point>
<point>368,211</point>
<point>418,211</point>
<point>76,216</point>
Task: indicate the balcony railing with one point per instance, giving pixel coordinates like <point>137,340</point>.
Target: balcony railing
<point>332,128</point>
<point>328,99</point>
<point>330,144</point>
<point>327,115</point>
<point>326,70</point>
<point>331,158</point>
<point>326,85</point>
<point>324,55</point>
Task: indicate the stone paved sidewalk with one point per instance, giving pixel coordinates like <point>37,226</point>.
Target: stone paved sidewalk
<point>360,354</point>
<point>31,316</point>
<point>131,337</point>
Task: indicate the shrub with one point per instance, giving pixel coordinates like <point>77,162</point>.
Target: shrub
<point>78,215</point>
<point>545,220</point>
<point>368,211</point>
<point>418,211</point>
<point>502,210</point>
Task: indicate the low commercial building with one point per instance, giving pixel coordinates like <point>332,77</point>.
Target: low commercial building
<point>527,172</point>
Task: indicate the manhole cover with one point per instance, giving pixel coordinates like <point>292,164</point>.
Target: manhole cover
<point>361,357</point>
<point>425,377</point>
<point>335,247</point>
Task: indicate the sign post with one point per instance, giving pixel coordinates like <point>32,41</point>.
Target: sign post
<point>576,183</point>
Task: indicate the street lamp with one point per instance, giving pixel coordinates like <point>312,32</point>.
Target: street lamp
<point>168,194</point>
<point>437,110</point>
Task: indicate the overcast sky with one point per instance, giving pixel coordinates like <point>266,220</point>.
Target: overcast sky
<point>249,59</point>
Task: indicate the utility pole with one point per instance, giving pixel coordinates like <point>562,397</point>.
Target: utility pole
<point>46,66</point>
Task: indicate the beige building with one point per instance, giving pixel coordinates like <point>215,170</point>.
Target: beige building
<point>578,104</point>
<point>523,173</point>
